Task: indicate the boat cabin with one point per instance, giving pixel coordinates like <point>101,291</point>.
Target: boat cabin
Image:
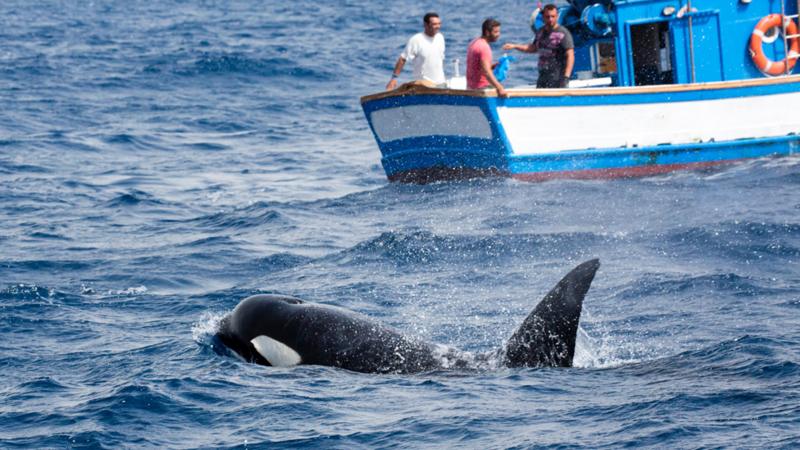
<point>657,42</point>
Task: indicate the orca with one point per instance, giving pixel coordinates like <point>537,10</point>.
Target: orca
<point>284,331</point>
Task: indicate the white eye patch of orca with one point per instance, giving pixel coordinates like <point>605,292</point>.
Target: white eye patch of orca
<point>276,353</point>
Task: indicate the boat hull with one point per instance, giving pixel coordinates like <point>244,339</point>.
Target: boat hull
<point>427,134</point>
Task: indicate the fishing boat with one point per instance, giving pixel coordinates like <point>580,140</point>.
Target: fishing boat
<point>658,85</point>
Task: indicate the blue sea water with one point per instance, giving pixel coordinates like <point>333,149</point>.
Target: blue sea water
<point>160,161</point>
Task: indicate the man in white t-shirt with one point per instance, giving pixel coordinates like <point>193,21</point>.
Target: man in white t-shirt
<point>426,51</point>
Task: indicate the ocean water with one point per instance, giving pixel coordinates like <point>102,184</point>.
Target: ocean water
<point>160,161</point>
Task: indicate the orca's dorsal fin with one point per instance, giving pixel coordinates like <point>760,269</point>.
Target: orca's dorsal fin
<point>275,352</point>
<point>547,336</point>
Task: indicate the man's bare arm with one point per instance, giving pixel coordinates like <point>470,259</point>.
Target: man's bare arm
<point>570,63</point>
<point>527,48</point>
<point>487,71</point>
<point>398,67</point>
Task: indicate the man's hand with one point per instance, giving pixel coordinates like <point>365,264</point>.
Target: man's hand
<point>398,69</point>
<point>527,48</point>
<point>501,92</point>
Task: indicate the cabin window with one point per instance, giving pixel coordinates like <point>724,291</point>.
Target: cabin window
<point>605,56</point>
<point>652,58</point>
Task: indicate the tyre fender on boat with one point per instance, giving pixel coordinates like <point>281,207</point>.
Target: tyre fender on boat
<point>764,64</point>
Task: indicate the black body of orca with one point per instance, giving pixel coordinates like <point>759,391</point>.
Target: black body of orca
<point>276,330</point>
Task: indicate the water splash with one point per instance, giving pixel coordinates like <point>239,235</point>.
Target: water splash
<point>206,327</point>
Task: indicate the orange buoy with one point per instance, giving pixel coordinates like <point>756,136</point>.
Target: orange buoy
<point>761,61</point>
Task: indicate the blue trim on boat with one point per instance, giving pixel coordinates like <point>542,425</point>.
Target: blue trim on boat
<point>685,154</point>
<point>440,142</point>
<point>501,138</point>
<point>443,157</point>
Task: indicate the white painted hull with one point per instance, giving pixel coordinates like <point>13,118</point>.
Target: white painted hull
<point>533,131</point>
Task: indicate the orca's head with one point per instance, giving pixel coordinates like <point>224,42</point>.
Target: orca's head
<point>256,330</point>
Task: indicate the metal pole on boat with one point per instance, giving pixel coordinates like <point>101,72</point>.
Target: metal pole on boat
<point>691,38</point>
<point>785,41</point>
<point>787,37</point>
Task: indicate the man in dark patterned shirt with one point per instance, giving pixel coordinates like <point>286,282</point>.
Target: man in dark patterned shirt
<point>556,51</point>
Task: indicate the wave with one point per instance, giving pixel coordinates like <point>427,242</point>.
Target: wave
<point>13,168</point>
<point>255,215</point>
<point>740,241</point>
<point>50,265</point>
<point>746,357</point>
<point>669,285</point>
<point>130,142</point>
<point>210,242</point>
<point>416,247</point>
<point>220,126</point>
<point>281,261</point>
<point>26,67</point>
<point>37,388</point>
<point>133,198</point>
<point>49,236</point>
<point>214,64</point>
